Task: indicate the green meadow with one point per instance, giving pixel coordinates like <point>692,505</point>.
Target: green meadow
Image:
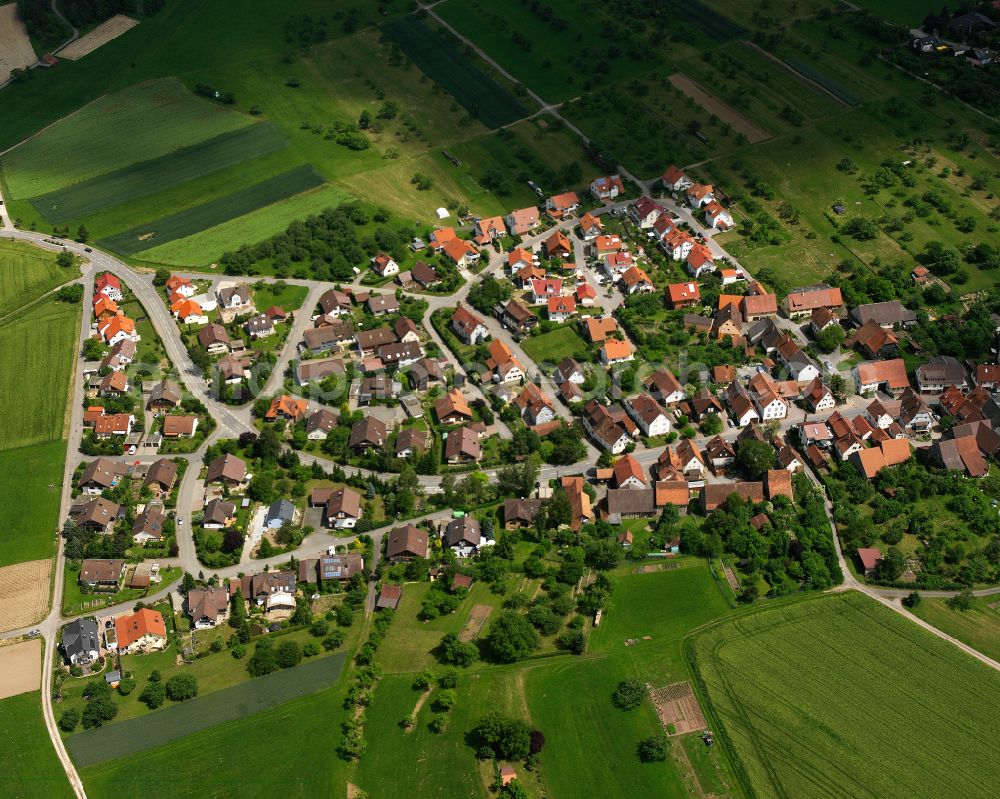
<point>29,768</point>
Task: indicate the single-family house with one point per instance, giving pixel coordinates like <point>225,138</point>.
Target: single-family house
<point>142,631</point>
<point>406,543</point>
<point>102,574</point>
<point>80,642</point>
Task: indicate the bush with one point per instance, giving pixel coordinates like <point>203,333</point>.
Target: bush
<point>444,700</point>
<point>319,628</point>
<point>311,649</point>
<point>449,679</point>
<point>511,637</point>
<point>182,687</point>
<point>345,616</point>
<point>154,694</point>
<point>239,651</point>
<point>69,719</point>
<point>99,710</point>
<point>509,739</point>
<point>458,653</point>
<point>911,600</point>
<point>126,685</point>
<point>438,723</point>
<point>423,681</point>
<point>288,654</point>
<point>653,749</point>
<point>628,695</point>
<point>263,660</point>
<point>573,641</point>
<point>334,639</point>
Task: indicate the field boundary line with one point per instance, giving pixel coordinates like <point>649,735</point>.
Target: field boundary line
<point>51,124</point>
<point>788,68</point>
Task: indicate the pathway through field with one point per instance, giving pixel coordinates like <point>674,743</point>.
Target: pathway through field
<point>478,617</point>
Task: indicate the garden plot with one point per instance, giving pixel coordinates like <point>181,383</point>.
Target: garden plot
<point>713,105</point>
<point>105,32</point>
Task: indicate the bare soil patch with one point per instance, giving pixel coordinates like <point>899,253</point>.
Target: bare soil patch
<point>713,105</point>
<point>424,696</point>
<point>478,617</point>
<point>16,51</point>
<point>24,593</point>
<point>678,708</point>
<point>20,668</point>
<point>99,36</point>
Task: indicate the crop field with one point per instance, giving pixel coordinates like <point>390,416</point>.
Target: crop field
<point>38,348</point>
<point>556,59</point>
<point>215,212</point>
<point>555,345</point>
<point>29,767</point>
<point>446,65</point>
<point>27,272</point>
<point>839,695</point>
<point>202,248</point>
<point>809,72</point>
<point>145,121</point>
<point>902,12</point>
<point>709,21</point>
<point>979,627</point>
<point>219,708</point>
<point>240,756</point>
<point>30,477</point>
<point>155,175</point>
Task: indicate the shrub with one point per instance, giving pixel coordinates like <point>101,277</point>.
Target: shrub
<point>182,687</point>
<point>628,695</point>
<point>154,694</point>
<point>438,723</point>
<point>239,651</point>
<point>653,749</point>
<point>288,654</point>
<point>126,685</point>
<point>69,719</point>
<point>449,679</point>
<point>311,649</point>
<point>334,639</point>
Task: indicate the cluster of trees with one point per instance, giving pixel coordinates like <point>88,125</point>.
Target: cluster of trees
<point>327,246</point>
<point>367,676</point>
<point>304,30</point>
<point>485,295</point>
<point>793,550</point>
<point>956,552</point>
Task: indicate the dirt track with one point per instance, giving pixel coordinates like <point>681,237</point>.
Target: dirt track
<point>713,105</point>
<point>15,46</point>
<point>101,35</point>
<point>24,593</point>
<point>478,617</point>
<point>20,668</point>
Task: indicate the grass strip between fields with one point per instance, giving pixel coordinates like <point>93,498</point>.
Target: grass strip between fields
<point>128,737</point>
<point>446,65</point>
<point>200,217</point>
<point>157,174</point>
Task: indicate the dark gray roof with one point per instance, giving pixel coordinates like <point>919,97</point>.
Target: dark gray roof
<point>281,509</point>
<point>80,636</point>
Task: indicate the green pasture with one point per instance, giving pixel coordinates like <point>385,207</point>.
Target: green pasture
<point>200,249</point>
<point>39,346</point>
<point>27,272</point>
<point>903,12</point>
<point>30,477</point>
<point>839,695</point>
<point>979,627</point>
<point>287,297</point>
<point>117,741</point>
<point>145,121</point>
<point>555,345</point>
<point>157,174</point>
<point>446,64</point>
<point>29,768</point>
<point>215,212</point>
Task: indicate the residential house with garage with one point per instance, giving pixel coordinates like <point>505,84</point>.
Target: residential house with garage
<point>80,642</point>
<point>802,302</point>
<point>520,514</point>
<point>219,514</point>
<point>674,180</point>
<point>516,318</point>
<point>207,607</point>
<point>940,373</point>
<point>406,543</point>
<point>102,574</point>
<point>142,631</point>
<point>368,434</point>
<point>342,507</point>
<point>561,205</point>
<point>502,365</point>
<point>462,446</point>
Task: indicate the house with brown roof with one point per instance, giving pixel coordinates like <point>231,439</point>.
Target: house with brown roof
<point>579,501</point>
<point>406,543</point>
<point>940,373</point>
<point>462,445</point>
<point>207,607</point>
<point>803,302</point>
<point>214,338</point>
<point>228,469</point>
<point>368,434</point>
<point>630,503</point>
<point>342,506</point>
<point>411,441</point>
<point>959,455</point>
<point>330,567</point>
<point>384,265</point>
<point>874,342</point>
<point>516,317</point>
<point>889,376</point>
<point>469,327</point>
<point>867,559</point>
<point>160,476</point>
<point>388,597</point>
<point>886,314</point>
<point>101,474</point>
<point>651,417</point>
<point>218,514</point>
<point>98,513</point>
<point>520,513</point>
<point>674,179</point>
<point>164,396</point>
<point>715,494</point>
<point>628,473</point>
<point>778,483</point>
<point>452,408</point>
<point>179,426</point>
<point>102,574</point>
<point>382,304</point>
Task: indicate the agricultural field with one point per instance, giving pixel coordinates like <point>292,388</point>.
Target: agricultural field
<point>29,767</point>
<point>39,344</point>
<point>157,174</point>
<point>215,212</point>
<point>201,249</point>
<point>555,345</point>
<point>30,477</point>
<point>221,707</point>
<point>26,273</point>
<point>445,64</point>
<point>817,698</point>
<point>145,121</point>
<point>903,12</point>
<point>216,758</point>
<point>979,627</point>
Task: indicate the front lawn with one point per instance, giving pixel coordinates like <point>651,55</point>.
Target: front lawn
<point>555,345</point>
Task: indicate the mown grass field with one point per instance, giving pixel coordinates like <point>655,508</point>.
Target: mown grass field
<point>27,272</point>
<point>25,476</point>
<point>118,741</point>
<point>287,297</point>
<point>446,64</point>
<point>979,627</point>
<point>555,345</point>
<point>200,249</point>
<point>838,696</point>
<point>201,217</point>
<point>145,121</point>
<point>158,174</point>
<point>38,347</point>
<point>29,767</point>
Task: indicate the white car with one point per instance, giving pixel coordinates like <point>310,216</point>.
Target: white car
<point>180,520</point>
